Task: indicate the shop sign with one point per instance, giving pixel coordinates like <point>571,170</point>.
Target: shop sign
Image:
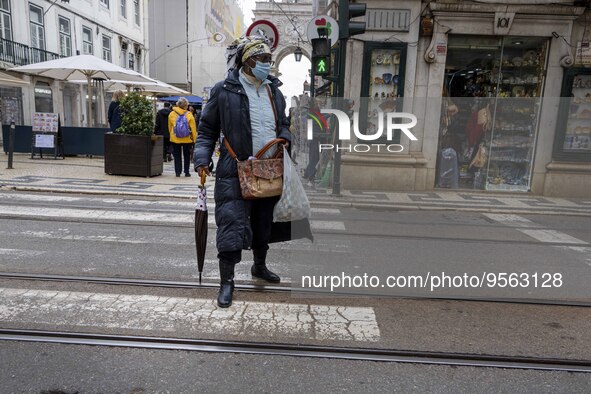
<point>326,23</point>
<point>583,53</point>
<point>503,22</point>
<point>44,141</point>
<point>45,122</point>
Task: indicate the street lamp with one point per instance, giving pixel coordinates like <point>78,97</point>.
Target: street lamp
<point>298,54</point>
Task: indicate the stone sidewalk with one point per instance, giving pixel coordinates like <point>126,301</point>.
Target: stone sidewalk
<point>86,175</point>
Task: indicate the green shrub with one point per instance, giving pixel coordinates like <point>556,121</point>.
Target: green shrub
<point>137,116</point>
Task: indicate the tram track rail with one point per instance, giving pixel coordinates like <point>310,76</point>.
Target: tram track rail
<point>174,284</point>
<point>298,350</point>
<point>343,233</point>
<point>167,210</point>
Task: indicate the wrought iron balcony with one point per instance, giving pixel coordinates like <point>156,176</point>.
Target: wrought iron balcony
<point>20,55</point>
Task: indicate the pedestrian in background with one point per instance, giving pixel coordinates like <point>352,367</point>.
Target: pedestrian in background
<point>183,133</point>
<point>244,107</point>
<point>313,146</point>
<point>114,113</point>
<point>161,128</point>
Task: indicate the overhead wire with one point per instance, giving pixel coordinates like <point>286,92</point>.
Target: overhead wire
<point>290,21</point>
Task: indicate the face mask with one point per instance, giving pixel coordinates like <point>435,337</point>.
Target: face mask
<point>261,70</point>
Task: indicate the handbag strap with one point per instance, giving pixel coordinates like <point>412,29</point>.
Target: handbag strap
<point>272,106</point>
<point>261,152</point>
<point>269,144</point>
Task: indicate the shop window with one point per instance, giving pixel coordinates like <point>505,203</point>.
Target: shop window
<point>87,47</point>
<point>573,134</point>
<point>43,97</point>
<point>382,85</point>
<point>11,105</point>
<point>490,112</point>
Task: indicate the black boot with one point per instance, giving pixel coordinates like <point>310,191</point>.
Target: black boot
<point>259,268</point>
<point>226,285</point>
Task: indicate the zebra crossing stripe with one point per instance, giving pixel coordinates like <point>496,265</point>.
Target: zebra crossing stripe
<point>133,216</point>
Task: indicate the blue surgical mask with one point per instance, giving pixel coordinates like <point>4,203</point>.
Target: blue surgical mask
<point>261,70</point>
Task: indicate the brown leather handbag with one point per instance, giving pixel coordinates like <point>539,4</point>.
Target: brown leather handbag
<point>260,178</point>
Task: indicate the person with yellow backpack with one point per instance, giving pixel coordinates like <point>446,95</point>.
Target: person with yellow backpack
<point>183,134</point>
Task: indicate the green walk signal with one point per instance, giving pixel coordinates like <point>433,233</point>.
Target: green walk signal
<point>322,65</point>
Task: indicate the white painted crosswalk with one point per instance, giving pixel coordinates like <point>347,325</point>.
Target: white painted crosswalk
<point>543,235</point>
<point>141,216</point>
<point>169,314</point>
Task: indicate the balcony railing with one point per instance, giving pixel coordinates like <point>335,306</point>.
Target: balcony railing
<point>20,55</point>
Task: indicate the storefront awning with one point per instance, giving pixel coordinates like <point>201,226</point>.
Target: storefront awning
<point>7,78</point>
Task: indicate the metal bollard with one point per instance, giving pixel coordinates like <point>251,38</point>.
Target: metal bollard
<point>11,137</point>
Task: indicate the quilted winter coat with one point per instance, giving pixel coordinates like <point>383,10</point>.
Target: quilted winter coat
<point>228,110</point>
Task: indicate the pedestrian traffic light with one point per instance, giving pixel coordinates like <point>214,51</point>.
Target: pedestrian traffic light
<point>347,11</point>
<point>321,56</point>
<point>322,65</point>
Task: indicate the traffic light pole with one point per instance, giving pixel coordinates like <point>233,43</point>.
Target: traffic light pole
<point>312,80</point>
<point>339,93</point>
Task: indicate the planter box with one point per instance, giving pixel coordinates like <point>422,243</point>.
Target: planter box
<point>134,155</point>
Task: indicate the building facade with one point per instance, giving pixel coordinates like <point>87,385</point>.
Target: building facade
<point>38,30</point>
<point>499,88</point>
<point>189,39</point>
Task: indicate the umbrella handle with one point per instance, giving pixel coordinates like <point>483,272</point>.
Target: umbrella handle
<point>203,176</point>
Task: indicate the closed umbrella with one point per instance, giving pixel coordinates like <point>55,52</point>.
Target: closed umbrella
<point>201,225</point>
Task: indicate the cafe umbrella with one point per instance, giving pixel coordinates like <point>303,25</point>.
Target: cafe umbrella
<point>85,67</point>
<point>201,225</point>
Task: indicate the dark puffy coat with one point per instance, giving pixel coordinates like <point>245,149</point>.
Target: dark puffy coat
<point>161,127</point>
<point>114,116</point>
<point>228,110</point>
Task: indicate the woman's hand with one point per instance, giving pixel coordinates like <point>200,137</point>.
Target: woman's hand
<point>203,169</point>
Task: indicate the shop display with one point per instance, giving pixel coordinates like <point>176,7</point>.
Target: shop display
<point>493,86</point>
<point>512,144</point>
<point>384,84</point>
<point>578,127</point>
<point>11,106</point>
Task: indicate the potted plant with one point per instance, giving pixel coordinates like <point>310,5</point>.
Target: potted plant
<point>133,149</point>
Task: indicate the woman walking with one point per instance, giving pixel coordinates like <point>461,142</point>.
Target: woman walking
<point>250,109</point>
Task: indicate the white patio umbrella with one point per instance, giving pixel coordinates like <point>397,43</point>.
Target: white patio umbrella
<point>81,67</point>
<point>156,87</point>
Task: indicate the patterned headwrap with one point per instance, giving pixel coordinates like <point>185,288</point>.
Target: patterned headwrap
<point>254,48</point>
<point>242,48</point>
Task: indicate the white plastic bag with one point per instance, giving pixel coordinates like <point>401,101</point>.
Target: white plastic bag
<point>293,204</point>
